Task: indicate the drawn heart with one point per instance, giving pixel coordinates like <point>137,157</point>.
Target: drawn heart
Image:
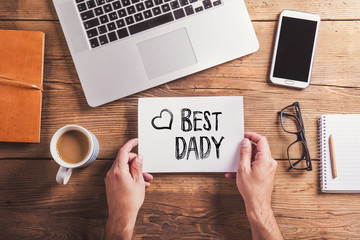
<point>163,122</point>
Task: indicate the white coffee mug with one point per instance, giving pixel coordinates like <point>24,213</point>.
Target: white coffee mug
<point>65,170</point>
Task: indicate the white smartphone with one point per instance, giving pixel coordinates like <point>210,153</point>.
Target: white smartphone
<point>294,48</point>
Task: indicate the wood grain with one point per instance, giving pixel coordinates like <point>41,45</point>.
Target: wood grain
<point>336,59</point>
<point>210,205</point>
<point>335,80</point>
<point>115,123</point>
<point>186,206</point>
<point>259,10</point>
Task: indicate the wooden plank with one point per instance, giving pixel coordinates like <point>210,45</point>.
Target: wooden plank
<point>336,60</point>
<point>270,10</point>
<point>32,204</point>
<point>64,101</point>
<point>259,10</point>
<point>116,122</point>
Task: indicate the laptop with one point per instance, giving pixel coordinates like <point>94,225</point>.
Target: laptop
<point>121,47</point>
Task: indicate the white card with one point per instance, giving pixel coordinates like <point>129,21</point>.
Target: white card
<point>192,134</point>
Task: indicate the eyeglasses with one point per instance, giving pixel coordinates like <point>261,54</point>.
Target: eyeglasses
<point>298,152</point>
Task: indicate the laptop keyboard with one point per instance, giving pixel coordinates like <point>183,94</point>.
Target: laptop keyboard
<point>107,21</point>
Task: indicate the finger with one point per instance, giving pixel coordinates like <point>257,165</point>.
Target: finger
<point>263,159</point>
<point>254,151</point>
<point>136,169</point>
<point>255,137</point>
<point>261,141</point>
<point>148,177</point>
<point>245,156</point>
<point>129,145</point>
<point>131,157</point>
<point>230,175</point>
<point>124,151</point>
<point>147,184</point>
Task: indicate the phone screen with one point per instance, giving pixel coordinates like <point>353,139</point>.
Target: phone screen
<point>295,47</point>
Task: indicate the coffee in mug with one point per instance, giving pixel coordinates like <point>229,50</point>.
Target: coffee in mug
<point>71,147</point>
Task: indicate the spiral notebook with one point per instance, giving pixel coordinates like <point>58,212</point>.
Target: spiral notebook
<point>345,130</point>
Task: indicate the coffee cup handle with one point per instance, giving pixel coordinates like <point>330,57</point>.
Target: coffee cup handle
<point>63,175</point>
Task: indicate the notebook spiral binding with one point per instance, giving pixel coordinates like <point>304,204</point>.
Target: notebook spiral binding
<point>322,153</point>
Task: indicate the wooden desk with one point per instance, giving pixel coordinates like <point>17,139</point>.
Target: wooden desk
<point>188,206</point>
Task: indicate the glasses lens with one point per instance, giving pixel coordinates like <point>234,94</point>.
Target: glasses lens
<point>297,155</point>
<point>289,120</point>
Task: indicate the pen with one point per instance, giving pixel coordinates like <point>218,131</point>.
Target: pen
<point>332,155</point>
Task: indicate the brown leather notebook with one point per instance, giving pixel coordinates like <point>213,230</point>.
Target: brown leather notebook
<point>21,80</point>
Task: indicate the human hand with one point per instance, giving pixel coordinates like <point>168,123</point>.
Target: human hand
<point>256,172</point>
<point>255,182</point>
<point>125,192</point>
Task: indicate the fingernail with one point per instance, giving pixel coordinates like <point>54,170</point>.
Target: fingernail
<point>140,159</point>
<point>245,142</point>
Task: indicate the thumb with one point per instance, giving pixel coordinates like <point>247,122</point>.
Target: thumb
<point>245,156</point>
<point>136,168</point>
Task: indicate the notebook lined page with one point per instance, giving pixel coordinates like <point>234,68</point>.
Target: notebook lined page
<point>345,130</point>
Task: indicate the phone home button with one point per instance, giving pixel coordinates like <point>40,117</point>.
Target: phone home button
<point>289,82</point>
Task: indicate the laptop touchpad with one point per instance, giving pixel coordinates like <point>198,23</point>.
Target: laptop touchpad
<point>166,53</point>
